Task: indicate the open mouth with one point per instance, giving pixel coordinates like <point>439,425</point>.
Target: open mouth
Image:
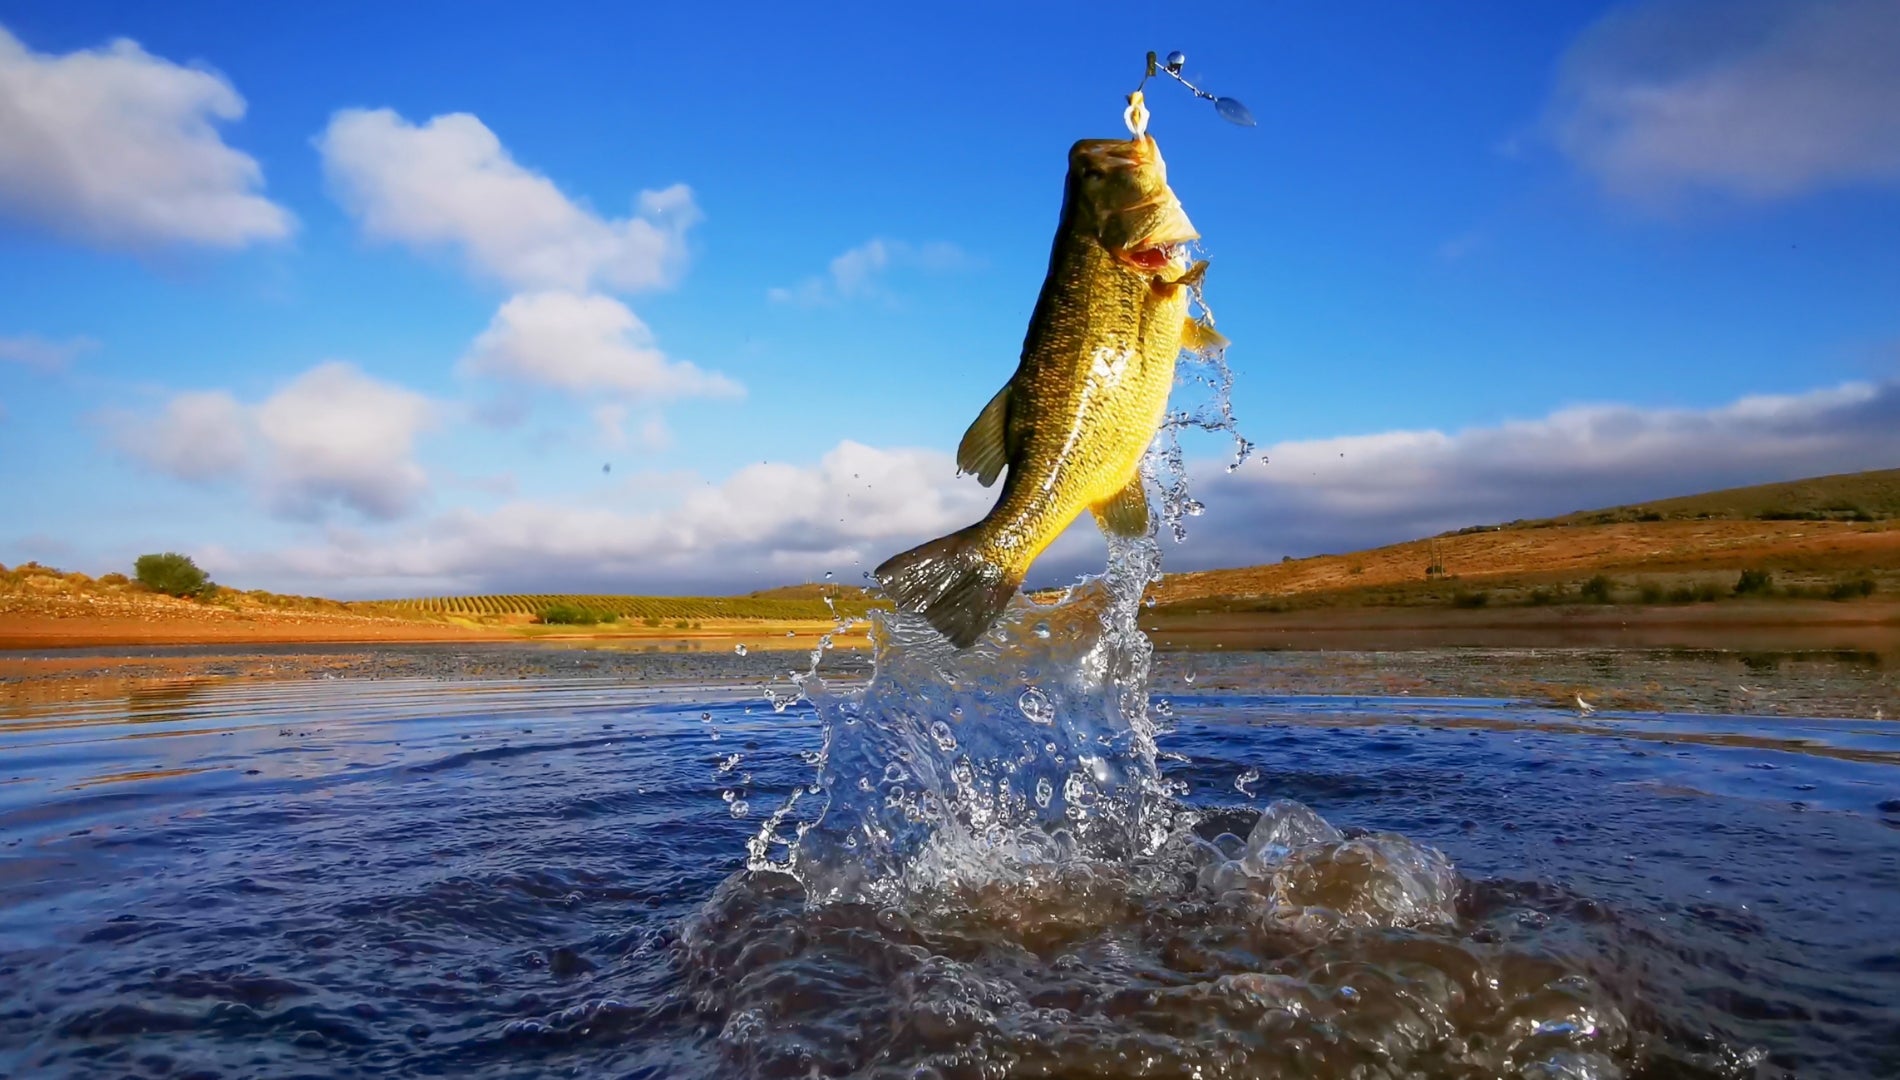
<point>1152,258</point>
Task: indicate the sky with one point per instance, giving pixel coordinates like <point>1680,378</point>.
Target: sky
<point>374,300</point>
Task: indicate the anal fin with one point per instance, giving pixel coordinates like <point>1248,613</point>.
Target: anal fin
<point>982,451</point>
<point>1124,513</point>
<point>1198,337</point>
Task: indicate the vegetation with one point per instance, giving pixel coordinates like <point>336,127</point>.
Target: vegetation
<point>650,611</point>
<point>1755,583</point>
<point>574,615</point>
<point>1598,590</point>
<point>172,574</point>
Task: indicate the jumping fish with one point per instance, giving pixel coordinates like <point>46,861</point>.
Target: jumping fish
<point>1087,397</point>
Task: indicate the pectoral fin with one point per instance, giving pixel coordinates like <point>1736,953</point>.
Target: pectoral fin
<point>981,452</point>
<point>1124,513</point>
<point>1198,337</point>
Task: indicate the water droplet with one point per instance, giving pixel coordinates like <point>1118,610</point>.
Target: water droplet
<point>1044,791</point>
<point>739,808</point>
<point>1245,781</point>
<point>740,649</point>
<point>1036,706</point>
<point>894,773</point>
<point>1042,629</point>
<point>791,633</point>
<point>1188,675</point>
<point>940,731</point>
<point>827,575</point>
<point>730,763</point>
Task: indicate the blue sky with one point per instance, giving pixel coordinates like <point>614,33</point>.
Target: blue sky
<point>360,299</point>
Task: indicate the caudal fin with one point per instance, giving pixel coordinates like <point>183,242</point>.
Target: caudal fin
<point>951,584</point>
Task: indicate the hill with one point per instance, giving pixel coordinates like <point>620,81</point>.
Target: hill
<point>1833,537</point>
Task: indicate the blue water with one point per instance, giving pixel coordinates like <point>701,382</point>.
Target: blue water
<point>545,878</point>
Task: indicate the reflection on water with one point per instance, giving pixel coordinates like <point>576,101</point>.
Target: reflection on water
<point>507,878</point>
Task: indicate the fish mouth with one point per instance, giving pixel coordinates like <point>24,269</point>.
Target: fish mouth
<point>1153,257</point>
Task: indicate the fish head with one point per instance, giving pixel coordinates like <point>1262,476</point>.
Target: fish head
<point>1119,195</point>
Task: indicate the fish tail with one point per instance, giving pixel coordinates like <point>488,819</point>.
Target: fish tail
<point>951,583</point>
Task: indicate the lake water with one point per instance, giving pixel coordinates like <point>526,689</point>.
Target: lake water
<point>533,864</point>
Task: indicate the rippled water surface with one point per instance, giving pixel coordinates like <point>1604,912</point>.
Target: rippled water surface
<point>545,876</point>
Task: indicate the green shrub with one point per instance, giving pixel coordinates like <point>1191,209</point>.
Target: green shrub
<point>1851,590</point>
<point>1541,596</point>
<point>1650,593</point>
<point>651,621</point>
<point>1463,599</point>
<point>1754,583</point>
<point>1598,590</point>
<point>682,625</point>
<point>1707,593</point>
<point>573,615</point>
<point>1682,594</point>
<point>114,579</point>
<point>172,574</point>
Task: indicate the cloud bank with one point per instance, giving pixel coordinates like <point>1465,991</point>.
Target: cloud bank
<point>773,524</point>
<point>1754,99</point>
<point>120,149</point>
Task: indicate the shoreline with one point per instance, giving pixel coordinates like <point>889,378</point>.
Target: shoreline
<point>1873,621</point>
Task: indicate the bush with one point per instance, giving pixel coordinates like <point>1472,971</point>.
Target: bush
<point>1851,590</point>
<point>1754,583</point>
<point>114,579</point>
<point>172,574</point>
<point>1650,593</point>
<point>574,615</point>
<point>1598,590</point>
<point>1541,596</point>
<point>650,621</point>
<point>1707,593</point>
<point>682,625</point>
<point>1682,594</point>
<point>1462,599</point>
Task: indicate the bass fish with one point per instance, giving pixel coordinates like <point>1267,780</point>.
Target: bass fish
<point>1073,422</point>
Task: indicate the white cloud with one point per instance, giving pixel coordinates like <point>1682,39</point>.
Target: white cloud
<point>1750,98</point>
<point>333,436</point>
<point>199,436</point>
<point>857,273</point>
<point>765,525</point>
<point>585,343</point>
<point>610,421</point>
<point>120,148</point>
<point>451,184</point>
<point>41,354</point>
<point>1334,495</point>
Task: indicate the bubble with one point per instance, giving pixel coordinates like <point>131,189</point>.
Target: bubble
<point>1036,706</point>
<point>1045,791</point>
<point>740,808</point>
<point>946,741</point>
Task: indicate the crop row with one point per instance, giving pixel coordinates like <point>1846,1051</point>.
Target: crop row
<point>633,607</point>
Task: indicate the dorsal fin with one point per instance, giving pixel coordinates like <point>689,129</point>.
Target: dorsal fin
<point>982,452</point>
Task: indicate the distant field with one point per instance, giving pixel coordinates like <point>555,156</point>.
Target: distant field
<point>1863,497</point>
<point>657,610</point>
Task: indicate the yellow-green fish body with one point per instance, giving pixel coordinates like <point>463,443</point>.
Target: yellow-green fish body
<point>1092,388</point>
